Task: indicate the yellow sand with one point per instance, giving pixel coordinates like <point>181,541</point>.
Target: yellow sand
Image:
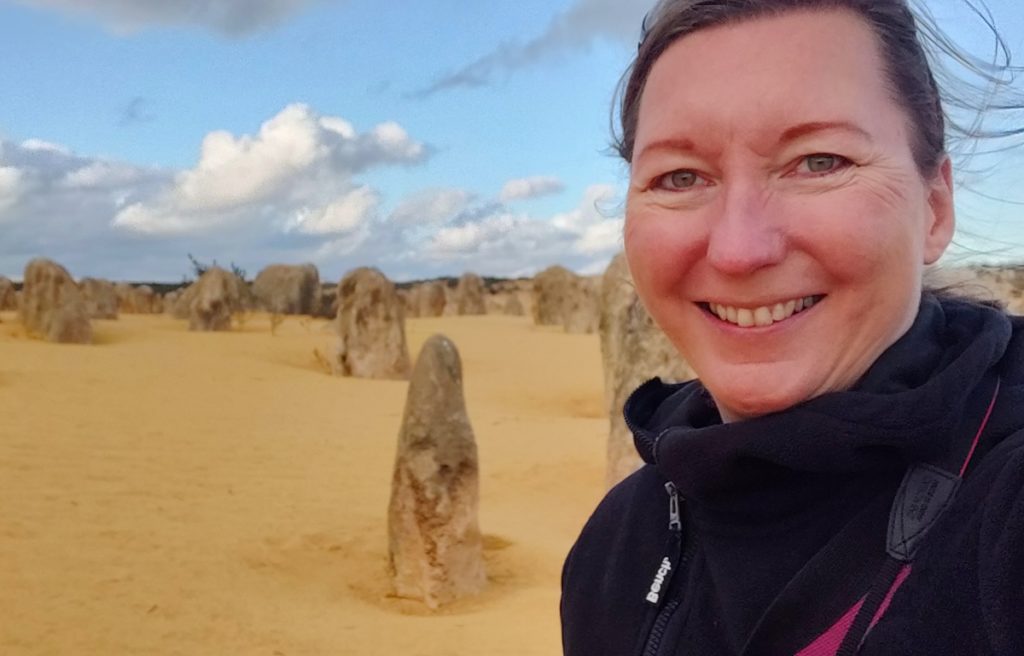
<point>168,492</point>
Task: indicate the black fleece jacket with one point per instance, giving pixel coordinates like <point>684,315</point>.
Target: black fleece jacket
<point>784,517</point>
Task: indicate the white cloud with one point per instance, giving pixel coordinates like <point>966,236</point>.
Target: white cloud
<point>572,30</point>
<point>431,206</point>
<point>231,17</point>
<point>298,162</point>
<point>46,146</point>
<point>505,243</point>
<point>309,206</point>
<point>392,139</point>
<point>523,188</point>
<point>600,238</point>
<point>287,192</point>
<point>470,238</point>
<point>59,204</point>
<point>10,187</point>
<point>102,175</point>
<point>345,215</point>
<point>591,211</point>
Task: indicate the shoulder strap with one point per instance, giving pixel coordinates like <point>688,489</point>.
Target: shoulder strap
<point>925,494</point>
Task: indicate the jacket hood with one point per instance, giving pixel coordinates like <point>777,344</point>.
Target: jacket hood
<point>918,390</point>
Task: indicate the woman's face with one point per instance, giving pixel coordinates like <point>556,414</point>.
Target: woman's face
<point>771,172</point>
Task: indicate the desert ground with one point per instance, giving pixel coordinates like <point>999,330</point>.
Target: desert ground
<point>173,492</point>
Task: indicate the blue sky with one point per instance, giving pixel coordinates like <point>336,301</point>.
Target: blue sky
<point>423,138</point>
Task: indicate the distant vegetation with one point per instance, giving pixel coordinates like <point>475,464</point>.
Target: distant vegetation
<point>453,281</point>
<point>199,268</point>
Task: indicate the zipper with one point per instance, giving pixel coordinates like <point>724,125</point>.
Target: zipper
<point>676,558</point>
<point>658,630</point>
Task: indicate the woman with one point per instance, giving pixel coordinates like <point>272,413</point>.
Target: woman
<point>847,475</point>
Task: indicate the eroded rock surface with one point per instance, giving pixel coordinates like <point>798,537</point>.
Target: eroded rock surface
<point>560,297</point>
<point>215,298</point>
<point>288,289</point>
<point>469,295</point>
<point>633,350</point>
<point>431,298</point>
<point>550,287</point>
<point>100,298</point>
<point>8,295</point>
<point>52,306</point>
<point>139,299</point>
<point>435,551</point>
<point>513,305</point>
<point>371,327</point>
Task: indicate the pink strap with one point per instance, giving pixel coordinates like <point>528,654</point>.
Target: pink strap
<point>984,422</point>
<point>827,644</point>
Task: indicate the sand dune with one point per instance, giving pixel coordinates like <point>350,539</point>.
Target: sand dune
<point>167,492</point>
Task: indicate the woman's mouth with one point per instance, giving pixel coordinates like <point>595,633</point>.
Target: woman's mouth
<point>762,316</point>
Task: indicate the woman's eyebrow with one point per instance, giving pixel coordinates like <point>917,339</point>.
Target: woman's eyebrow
<point>803,129</point>
<point>685,145</point>
<point>672,144</point>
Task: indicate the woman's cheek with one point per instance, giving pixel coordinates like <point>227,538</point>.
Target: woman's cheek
<point>652,246</point>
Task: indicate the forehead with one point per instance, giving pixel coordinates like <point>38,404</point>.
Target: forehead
<point>767,73</point>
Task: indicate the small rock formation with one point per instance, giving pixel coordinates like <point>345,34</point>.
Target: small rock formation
<point>469,295</point>
<point>410,309</point>
<point>550,288</point>
<point>288,289</point>
<point>157,303</point>
<point>327,307</point>
<point>582,309</point>
<point>100,298</point>
<point>371,327</point>
<point>513,305</point>
<point>52,305</point>
<point>170,298</point>
<point>8,296</point>
<point>435,551</point>
<point>148,301</point>
<point>494,302</point>
<point>215,299</point>
<point>180,307</point>
<point>522,289</point>
<point>633,350</point>
<point>431,298</point>
<point>451,302</point>
<point>125,298</point>
<point>560,297</point>
<point>137,300</point>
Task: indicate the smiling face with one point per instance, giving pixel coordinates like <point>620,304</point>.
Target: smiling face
<point>776,224</point>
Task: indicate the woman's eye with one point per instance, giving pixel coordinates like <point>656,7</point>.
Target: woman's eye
<point>681,179</point>
<point>822,163</point>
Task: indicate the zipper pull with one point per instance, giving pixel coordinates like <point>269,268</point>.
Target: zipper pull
<point>673,547</point>
<point>675,521</point>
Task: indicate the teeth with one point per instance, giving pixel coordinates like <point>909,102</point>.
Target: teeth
<point>761,316</point>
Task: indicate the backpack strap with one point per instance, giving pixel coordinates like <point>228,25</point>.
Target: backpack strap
<point>925,494</point>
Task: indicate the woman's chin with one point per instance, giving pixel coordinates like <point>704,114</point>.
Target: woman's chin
<point>736,403</point>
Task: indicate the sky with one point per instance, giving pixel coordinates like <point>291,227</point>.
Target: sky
<point>423,138</point>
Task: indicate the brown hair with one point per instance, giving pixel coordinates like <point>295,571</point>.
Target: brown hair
<point>909,74</point>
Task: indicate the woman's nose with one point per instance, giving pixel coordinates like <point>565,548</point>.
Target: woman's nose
<point>743,236</point>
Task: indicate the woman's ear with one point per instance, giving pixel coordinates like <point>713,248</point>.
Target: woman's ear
<point>941,222</point>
